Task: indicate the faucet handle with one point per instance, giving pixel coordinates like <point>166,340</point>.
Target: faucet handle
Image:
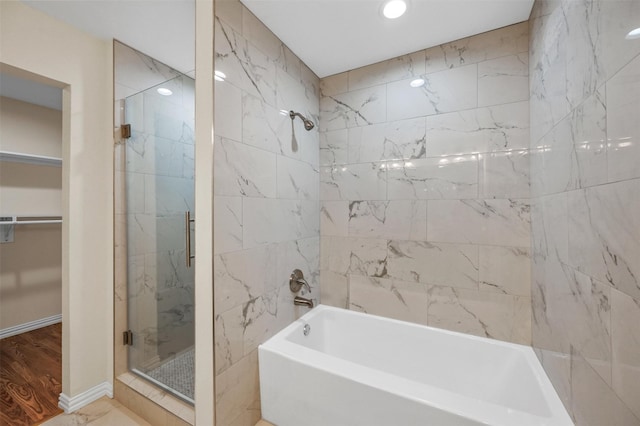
<point>296,281</point>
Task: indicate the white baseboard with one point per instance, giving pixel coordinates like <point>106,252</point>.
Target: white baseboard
<point>69,405</point>
<point>29,326</point>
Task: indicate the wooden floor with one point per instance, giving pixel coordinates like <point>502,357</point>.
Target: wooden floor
<point>30,376</point>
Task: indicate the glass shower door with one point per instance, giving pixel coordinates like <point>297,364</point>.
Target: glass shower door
<point>159,192</point>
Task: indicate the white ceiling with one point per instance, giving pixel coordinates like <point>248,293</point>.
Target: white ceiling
<point>332,36</point>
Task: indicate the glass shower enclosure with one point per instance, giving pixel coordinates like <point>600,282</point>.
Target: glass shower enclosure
<point>159,197</point>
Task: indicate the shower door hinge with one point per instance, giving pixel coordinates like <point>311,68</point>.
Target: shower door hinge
<point>125,131</point>
<point>127,338</point>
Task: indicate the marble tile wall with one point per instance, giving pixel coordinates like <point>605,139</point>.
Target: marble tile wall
<point>154,187</point>
<point>585,147</point>
<point>266,208</point>
<point>425,212</point>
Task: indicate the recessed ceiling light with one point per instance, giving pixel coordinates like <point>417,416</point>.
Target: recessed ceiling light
<point>418,82</point>
<point>164,91</point>
<point>633,34</point>
<point>394,9</point>
<point>219,75</point>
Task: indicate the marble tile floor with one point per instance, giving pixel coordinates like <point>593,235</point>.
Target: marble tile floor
<point>106,412</point>
<point>103,412</point>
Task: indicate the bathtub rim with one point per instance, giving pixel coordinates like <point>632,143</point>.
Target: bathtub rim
<point>458,404</point>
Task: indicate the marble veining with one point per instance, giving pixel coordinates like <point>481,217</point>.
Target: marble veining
<point>585,192</point>
<point>425,212</point>
<point>266,200</point>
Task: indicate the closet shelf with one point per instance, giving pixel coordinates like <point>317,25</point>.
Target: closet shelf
<point>19,157</point>
<point>29,220</point>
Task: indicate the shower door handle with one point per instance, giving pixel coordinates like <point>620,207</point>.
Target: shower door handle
<point>187,230</point>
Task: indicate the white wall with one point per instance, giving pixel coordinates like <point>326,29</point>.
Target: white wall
<point>31,265</point>
<point>80,64</point>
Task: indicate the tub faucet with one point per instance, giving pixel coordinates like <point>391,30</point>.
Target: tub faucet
<point>303,301</point>
<point>297,281</point>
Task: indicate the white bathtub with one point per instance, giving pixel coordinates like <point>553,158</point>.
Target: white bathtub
<point>357,369</point>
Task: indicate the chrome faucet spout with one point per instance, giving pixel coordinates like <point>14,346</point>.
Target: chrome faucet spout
<point>303,301</point>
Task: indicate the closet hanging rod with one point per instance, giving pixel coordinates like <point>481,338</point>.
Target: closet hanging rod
<point>29,220</point>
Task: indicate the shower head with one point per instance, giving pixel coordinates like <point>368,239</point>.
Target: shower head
<point>308,124</point>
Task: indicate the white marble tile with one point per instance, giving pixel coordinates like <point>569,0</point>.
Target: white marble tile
<point>588,129</point>
<point>334,147</point>
<point>237,388</point>
<point>334,289</point>
<point>453,265</point>
<point>405,301</point>
<point>560,171</point>
<point>168,157</point>
<point>593,402</point>
<point>166,119</point>
<point>623,126</point>
<point>289,62</point>
<point>433,178</point>
<point>228,113</point>
<point>104,411</point>
<point>585,28</point>
<point>296,142</point>
<point>614,21</point>
<point>496,128</point>
<point>240,169</point>
<point>505,270</point>
<point>134,193</point>
<point>499,222</point>
<point>168,195</point>
<point>227,217</point>
<point>550,235</point>
<point>311,84</point>
<point>586,315</point>
<point>492,44</point>
<point>334,84</point>
<point>258,34</point>
<point>359,256</point>
<point>444,91</point>
<point>141,233</point>
<point>549,289</point>
<point>494,315</point>
<point>242,276</point>
<point>244,65</point>
<point>399,68</point>
<point>355,108</point>
<point>140,153</point>
<point>504,175</point>
<point>230,11</point>
<point>548,77</point>
<point>388,141</point>
<point>229,344</point>
<point>260,321</point>
<point>275,220</point>
<point>296,179</point>
<point>353,182</point>
<point>604,234</point>
<point>139,71</point>
<point>263,124</point>
<point>291,95</point>
<point>334,218</point>
<point>503,80</point>
<point>625,342</point>
<point>399,219</point>
<point>303,254</point>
